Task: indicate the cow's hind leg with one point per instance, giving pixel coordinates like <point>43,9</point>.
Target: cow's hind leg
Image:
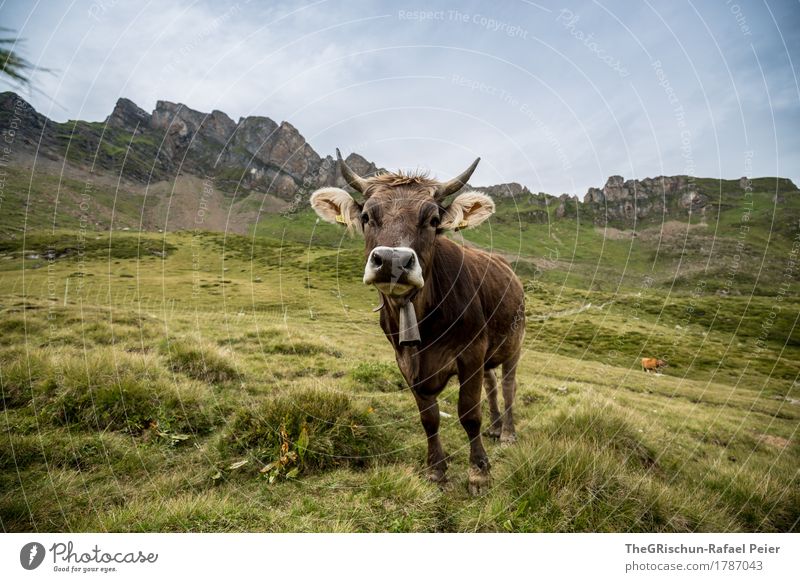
<point>429,414</point>
<point>469,412</point>
<point>508,433</point>
<point>490,383</point>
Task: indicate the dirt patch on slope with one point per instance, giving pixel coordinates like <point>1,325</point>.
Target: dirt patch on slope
<point>191,202</point>
<point>774,441</point>
<point>673,231</point>
<point>670,231</point>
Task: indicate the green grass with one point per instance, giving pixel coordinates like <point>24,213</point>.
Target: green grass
<point>382,376</point>
<point>243,384</point>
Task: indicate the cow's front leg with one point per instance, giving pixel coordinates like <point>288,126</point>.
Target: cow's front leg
<point>469,412</point>
<point>429,414</point>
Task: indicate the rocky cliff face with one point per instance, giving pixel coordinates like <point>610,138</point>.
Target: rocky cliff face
<point>255,153</point>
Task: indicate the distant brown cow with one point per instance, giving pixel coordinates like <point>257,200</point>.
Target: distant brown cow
<point>652,364</point>
<point>447,310</point>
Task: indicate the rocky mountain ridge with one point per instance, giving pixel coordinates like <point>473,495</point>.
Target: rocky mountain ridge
<point>257,154</point>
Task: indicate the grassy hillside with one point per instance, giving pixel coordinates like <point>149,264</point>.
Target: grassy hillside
<point>212,382</point>
<point>43,195</point>
<point>575,252</point>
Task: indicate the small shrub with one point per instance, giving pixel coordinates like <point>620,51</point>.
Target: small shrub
<point>200,360</point>
<point>378,375</point>
<point>313,429</point>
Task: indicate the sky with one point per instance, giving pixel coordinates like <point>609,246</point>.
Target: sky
<point>556,96</point>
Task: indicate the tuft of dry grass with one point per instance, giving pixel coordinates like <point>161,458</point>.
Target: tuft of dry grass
<point>308,430</point>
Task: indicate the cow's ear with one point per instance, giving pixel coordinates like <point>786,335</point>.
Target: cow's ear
<point>336,206</point>
<point>467,210</point>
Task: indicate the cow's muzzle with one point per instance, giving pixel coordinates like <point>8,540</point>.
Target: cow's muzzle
<point>393,270</point>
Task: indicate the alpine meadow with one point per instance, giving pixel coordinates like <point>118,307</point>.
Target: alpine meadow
<point>185,348</point>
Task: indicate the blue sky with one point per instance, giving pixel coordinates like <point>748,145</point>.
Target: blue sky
<point>557,96</point>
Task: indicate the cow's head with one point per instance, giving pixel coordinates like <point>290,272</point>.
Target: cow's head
<point>400,218</point>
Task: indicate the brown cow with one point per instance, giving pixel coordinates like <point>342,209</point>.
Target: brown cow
<point>447,310</point>
<point>652,364</point>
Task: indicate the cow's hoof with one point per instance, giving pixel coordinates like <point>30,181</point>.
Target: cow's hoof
<point>508,438</point>
<point>478,481</point>
<point>492,432</point>
<point>437,476</point>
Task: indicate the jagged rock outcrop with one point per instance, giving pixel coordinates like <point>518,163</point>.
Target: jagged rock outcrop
<point>511,190</point>
<point>567,206</point>
<point>623,200</point>
<point>22,124</point>
<point>127,115</point>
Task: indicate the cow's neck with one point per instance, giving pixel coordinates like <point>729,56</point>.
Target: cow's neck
<point>394,308</point>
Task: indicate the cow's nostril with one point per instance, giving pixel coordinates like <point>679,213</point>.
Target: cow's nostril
<point>376,260</point>
<point>409,264</point>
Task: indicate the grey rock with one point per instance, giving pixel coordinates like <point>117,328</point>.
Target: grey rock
<point>693,200</point>
<point>594,196</point>
<point>127,115</point>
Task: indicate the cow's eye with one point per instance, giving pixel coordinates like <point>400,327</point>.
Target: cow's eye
<point>364,218</point>
<point>435,222</point>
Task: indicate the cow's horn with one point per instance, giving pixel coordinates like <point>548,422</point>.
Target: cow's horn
<point>444,189</point>
<point>355,181</point>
